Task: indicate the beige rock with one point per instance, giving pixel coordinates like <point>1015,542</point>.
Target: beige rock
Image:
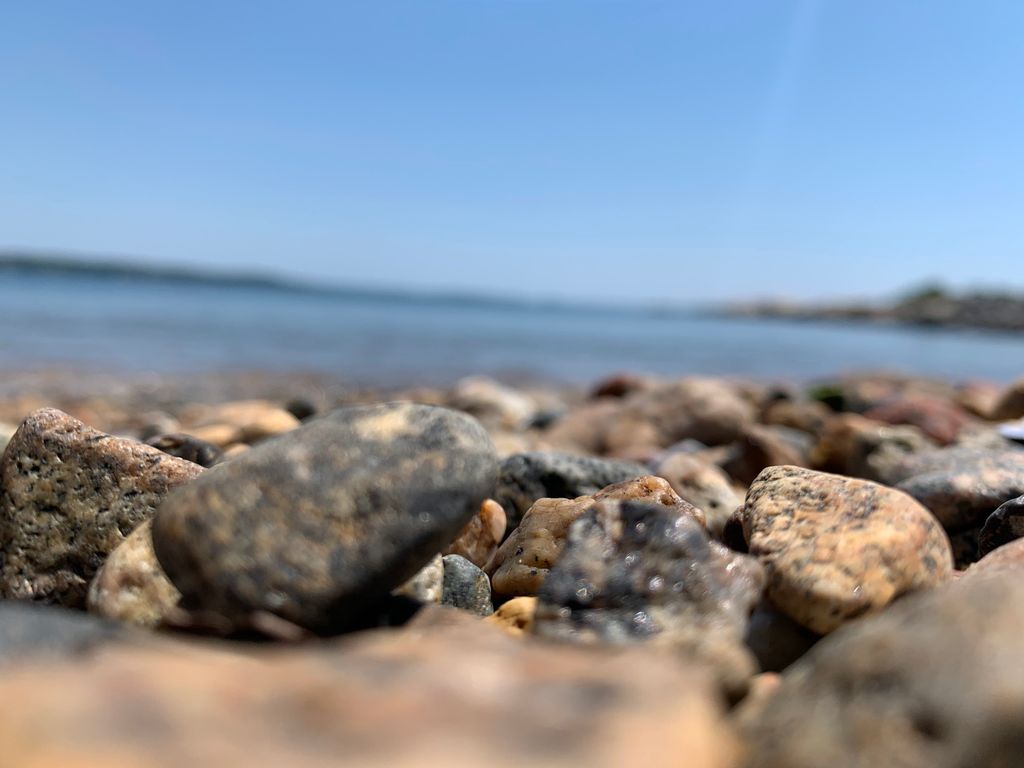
<point>522,562</point>
<point>702,484</point>
<point>437,697</point>
<point>494,404</point>
<point>427,583</point>
<point>221,435</point>
<point>515,616</point>
<point>1010,403</point>
<point>243,421</point>
<point>859,447</point>
<point>131,586</point>
<point>1009,557</point>
<point>70,496</point>
<point>835,548</point>
<point>267,424</point>
<point>478,541</point>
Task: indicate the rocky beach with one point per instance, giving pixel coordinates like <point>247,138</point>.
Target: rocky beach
<point>725,572</point>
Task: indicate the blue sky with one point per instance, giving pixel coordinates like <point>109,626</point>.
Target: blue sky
<point>617,149</point>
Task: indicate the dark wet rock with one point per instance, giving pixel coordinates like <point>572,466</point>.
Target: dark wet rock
<point>466,586</point>
<point>835,548</point>
<point>29,630</point>
<point>704,485</point>
<point>71,494</point>
<point>621,384</point>
<point>526,477</point>
<point>302,408</point>
<point>933,682</point>
<point>187,447</point>
<point>1004,525</point>
<point>775,639</point>
<point>317,524</point>
<point>522,562</point>
<point>964,545</point>
<point>635,572</point>
<point>963,489</point>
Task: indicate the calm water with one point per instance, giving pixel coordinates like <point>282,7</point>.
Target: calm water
<point>123,325</point>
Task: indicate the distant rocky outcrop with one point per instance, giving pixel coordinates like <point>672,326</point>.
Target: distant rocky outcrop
<point>927,306</point>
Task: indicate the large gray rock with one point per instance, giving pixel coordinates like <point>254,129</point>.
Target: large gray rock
<point>933,682</point>
<point>71,494</point>
<point>321,522</point>
<point>527,477</point>
<point>634,572</point>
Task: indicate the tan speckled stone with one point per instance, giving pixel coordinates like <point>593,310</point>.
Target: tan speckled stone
<point>478,541</point>
<point>522,562</point>
<point>515,616</point>
<point>131,586</point>
<point>71,494</point>
<point>835,548</point>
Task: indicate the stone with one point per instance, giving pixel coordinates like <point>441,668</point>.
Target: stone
<point>302,408</point>
<point>965,487</point>
<point>935,681</point>
<point>775,639</point>
<point>1008,557</point>
<point>527,477</point>
<point>621,384</point>
<point>187,447</point>
<point>515,617</point>
<point>466,586</point>
<point>703,485</point>
<point>522,562</point>
<point>318,524</point>
<point>426,585</point>
<point>30,630</point>
<point>1004,525</point>
<point>443,695</point>
<point>759,446</point>
<point>708,410</point>
<point>478,541</point>
<point>273,421</point>
<point>938,417</point>
<point>131,587</point>
<point>1010,403</point>
<point>581,430</point>
<point>835,548</point>
<point>494,404</point>
<point>978,398</point>
<point>808,416</point>
<point>70,495</point>
<point>858,447</point>
<point>637,572</point>
<point>6,433</point>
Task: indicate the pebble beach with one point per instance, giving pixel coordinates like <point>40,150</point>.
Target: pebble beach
<point>667,571</point>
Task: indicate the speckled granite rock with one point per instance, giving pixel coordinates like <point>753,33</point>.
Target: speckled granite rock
<point>968,486</point>
<point>527,477</point>
<point>835,548</point>
<point>933,682</point>
<point>522,562</point>
<point>314,525</point>
<point>131,586</point>
<point>187,447</point>
<point>478,541</point>
<point>426,585</point>
<point>702,484</point>
<point>466,586</point>
<point>30,630</point>
<point>70,495</point>
<point>634,571</point>
<point>443,696</point>
<point>516,616</point>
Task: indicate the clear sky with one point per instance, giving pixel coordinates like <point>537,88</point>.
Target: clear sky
<point>625,149</point>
